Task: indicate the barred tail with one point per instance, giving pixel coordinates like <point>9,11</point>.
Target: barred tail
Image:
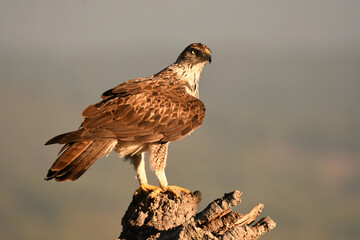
<point>76,157</point>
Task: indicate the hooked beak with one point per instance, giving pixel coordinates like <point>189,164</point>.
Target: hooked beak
<point>208,57</point>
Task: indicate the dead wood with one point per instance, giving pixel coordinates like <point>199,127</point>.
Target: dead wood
<point>167,216</point>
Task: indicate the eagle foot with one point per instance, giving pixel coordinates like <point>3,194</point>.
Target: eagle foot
<point>153,191</point>
<point>176,190</point>
<point>146,188</point>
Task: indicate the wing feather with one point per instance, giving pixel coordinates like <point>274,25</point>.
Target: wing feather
<point>144,110</point>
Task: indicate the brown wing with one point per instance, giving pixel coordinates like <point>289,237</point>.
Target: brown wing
<point>144,110</point>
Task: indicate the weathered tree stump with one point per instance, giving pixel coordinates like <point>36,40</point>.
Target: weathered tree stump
<point>167,216</point>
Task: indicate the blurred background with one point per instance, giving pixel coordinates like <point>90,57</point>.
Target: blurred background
<point>282,98</point>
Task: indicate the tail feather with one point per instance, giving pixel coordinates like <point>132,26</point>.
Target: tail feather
<point>69,155</point>
<point>81,135</point>
<point>77,158</point>
<point>84,161</point>
<point>66,137</point>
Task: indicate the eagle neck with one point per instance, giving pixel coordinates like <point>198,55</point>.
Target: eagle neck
<point>191,75</point>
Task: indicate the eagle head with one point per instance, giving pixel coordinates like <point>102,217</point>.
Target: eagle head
<point>194,54</point>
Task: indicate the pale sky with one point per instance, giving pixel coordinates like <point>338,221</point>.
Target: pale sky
<point>82,26</point>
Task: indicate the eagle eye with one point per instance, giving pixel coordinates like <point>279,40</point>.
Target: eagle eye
<point>194,52</point>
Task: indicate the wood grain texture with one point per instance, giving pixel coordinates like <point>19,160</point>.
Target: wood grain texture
<point>174,217</point>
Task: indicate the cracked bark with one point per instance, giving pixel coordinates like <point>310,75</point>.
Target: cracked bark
<point>167,216</point>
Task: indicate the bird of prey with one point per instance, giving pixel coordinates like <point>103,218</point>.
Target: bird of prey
<point>142,114</point>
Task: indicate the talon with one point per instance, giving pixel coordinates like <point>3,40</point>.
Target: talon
<point>145,188</point>
<point>176,190</point>
<point>156,192</point>
<point>153,191</point>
